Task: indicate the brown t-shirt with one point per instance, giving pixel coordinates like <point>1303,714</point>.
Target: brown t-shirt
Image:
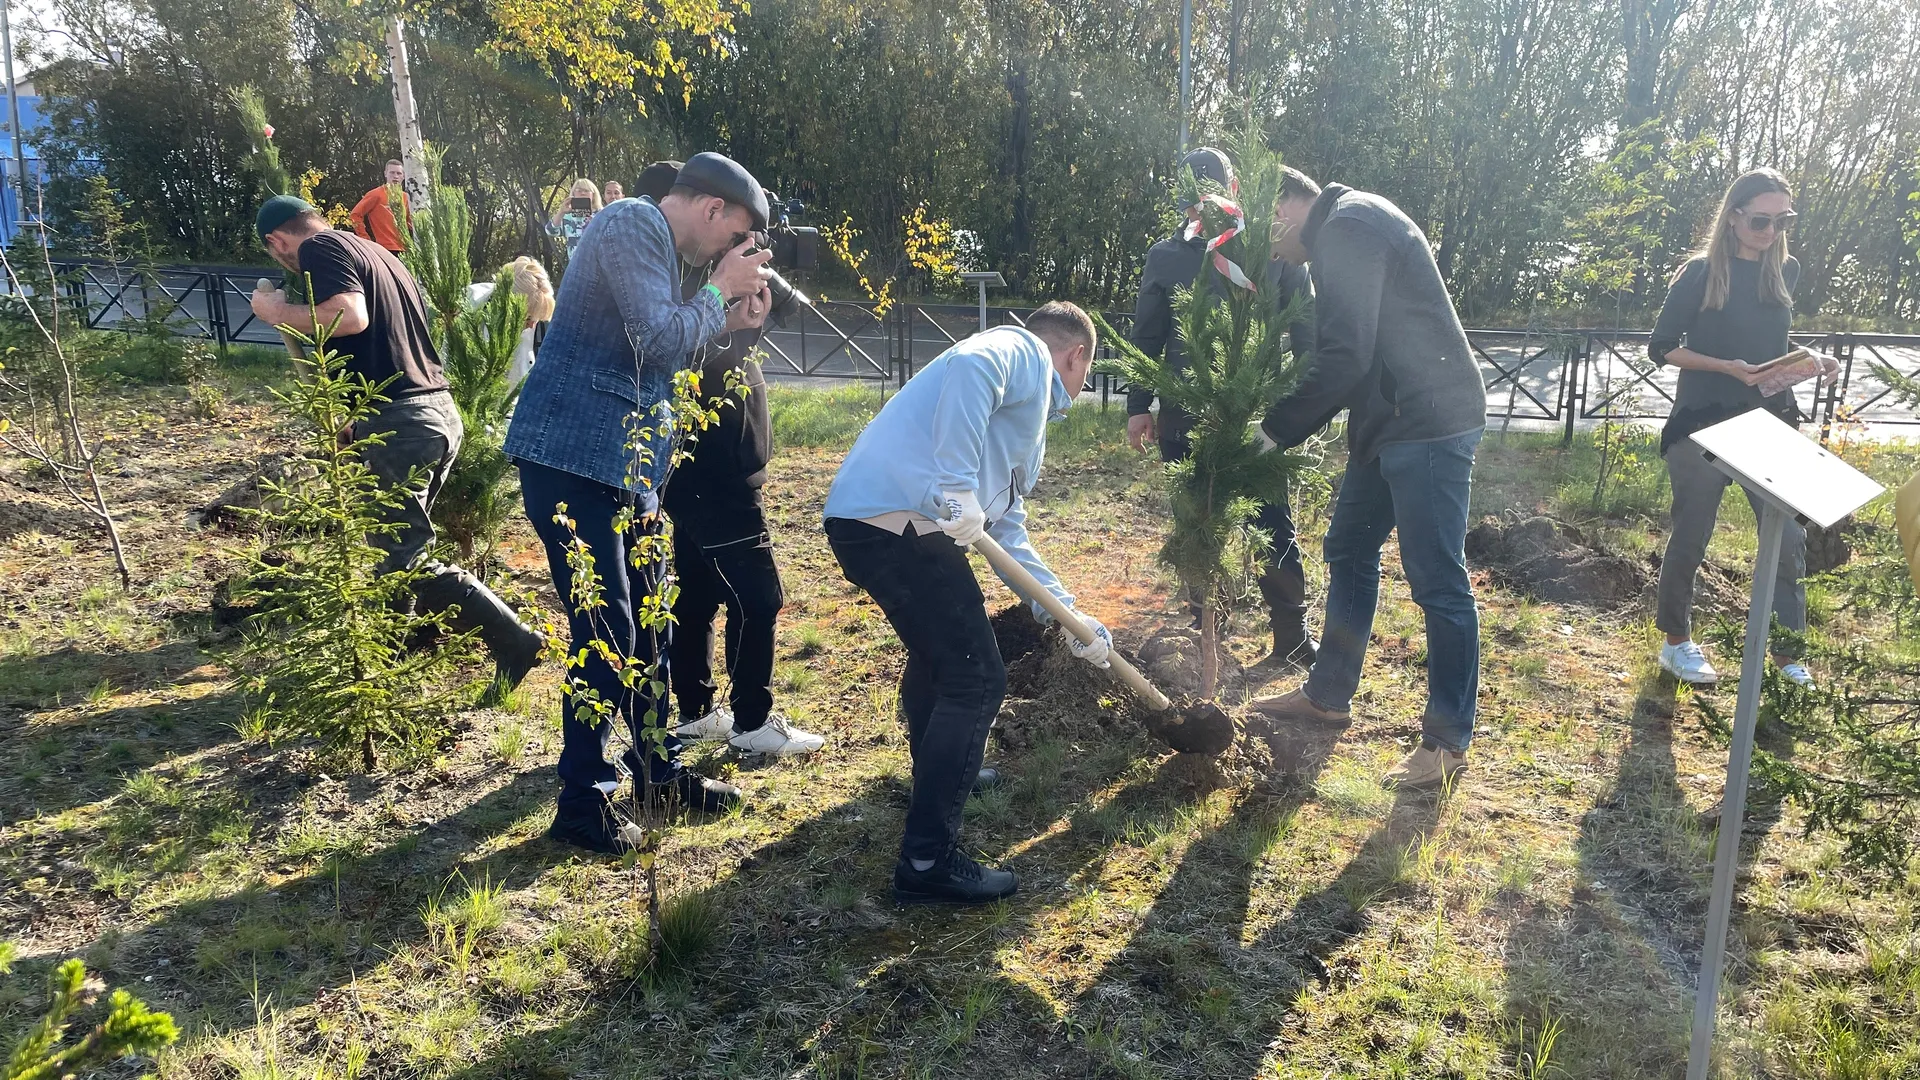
<point>396,341</point>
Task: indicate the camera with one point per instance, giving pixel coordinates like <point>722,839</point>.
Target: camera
<point>794,247</point>
<point>581,203</point>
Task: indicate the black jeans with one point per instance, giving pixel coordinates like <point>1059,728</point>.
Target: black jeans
<point>737,573</point>
<point>954,681</point>
<point>583,750</point>
<point>1283,581</point>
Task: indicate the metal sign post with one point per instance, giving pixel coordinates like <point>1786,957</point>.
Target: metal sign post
<point>1796,479</point>
<point>984,278</point>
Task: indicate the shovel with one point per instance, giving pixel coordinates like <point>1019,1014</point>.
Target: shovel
<point>1200,728</point>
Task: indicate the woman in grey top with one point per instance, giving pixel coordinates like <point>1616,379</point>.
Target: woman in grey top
<point>1728,310</point>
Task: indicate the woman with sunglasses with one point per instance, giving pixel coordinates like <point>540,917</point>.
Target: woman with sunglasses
<point>1727,310</point>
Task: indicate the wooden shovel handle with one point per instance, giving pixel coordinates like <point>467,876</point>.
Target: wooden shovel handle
<point>1024,583</point>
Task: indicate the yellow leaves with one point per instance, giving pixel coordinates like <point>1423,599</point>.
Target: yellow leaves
<point>588,46</point>
<point>929,244</point>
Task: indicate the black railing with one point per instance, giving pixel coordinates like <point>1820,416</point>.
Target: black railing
<point>1551,376</point>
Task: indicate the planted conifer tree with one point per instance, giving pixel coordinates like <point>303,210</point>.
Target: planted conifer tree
<point>476,350</point>
<point>329,649</point>
<point>1234,328</point>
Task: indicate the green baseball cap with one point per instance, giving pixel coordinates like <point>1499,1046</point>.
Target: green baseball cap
<point>279,210</point>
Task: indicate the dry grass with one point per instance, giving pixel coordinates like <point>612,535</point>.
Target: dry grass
<point>1542,920</point>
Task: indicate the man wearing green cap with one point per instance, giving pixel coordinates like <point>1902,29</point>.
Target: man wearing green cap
<point>381,331</point>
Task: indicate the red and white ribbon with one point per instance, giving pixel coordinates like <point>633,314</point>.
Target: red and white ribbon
<point>1227,267</point>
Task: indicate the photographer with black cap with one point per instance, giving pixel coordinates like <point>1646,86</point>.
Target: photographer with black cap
<point>722,549</point>
<point>621,329</point>
<point>1173,264</point>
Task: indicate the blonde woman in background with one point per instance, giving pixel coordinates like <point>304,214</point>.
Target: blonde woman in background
<point>570,220</point>
<point>1728,310</point>
<point>530,280</point>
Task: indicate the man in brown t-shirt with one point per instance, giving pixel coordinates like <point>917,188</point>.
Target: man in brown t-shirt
<point>382,333</point>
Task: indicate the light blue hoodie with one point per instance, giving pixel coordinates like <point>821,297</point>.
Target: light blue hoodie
<point>975,419</point>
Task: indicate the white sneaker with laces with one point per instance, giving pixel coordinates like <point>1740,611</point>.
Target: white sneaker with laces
<point>716,725</point>
<point>778,738</point>
<point>1798,673</point>
<point>1687,663</point>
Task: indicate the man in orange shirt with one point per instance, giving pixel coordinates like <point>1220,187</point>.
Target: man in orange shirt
<point>373,217</point>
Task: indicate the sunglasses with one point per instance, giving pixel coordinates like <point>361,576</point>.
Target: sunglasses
<point>1770,222</point>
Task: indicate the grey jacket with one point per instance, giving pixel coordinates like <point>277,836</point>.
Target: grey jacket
<point>1388,344</point>
<point>1174,264</point>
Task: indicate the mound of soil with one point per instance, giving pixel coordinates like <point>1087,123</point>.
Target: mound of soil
<point>1051,695</point>
<point>1170,659</point>
<point>1551,560</point>
<point>228,510</point>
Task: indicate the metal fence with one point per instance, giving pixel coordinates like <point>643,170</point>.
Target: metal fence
<point>1553,377</point>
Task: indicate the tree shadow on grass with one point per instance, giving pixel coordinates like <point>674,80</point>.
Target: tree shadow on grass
<point>1623,953</point>
<point>58,751</point>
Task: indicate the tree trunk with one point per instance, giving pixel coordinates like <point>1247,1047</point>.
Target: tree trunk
<point>1209,650</point>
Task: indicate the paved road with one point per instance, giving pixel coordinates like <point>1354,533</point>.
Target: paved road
<point>836,342</point>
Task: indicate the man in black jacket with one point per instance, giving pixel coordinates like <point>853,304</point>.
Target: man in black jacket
<point>1390,351</point>
<point>722,550</point>
<point>1174,264</point>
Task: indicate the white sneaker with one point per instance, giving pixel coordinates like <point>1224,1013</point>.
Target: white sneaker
<point>714,726</point>
<point>1798,673</point>
<point>778,738</point>
<point>1687,663</point>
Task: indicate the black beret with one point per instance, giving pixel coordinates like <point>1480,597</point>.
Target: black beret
<point>725,178</point>
<point>1209,164</point>
<point>657,179</point>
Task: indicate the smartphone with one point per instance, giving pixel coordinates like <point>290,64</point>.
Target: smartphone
<point>582,203</point>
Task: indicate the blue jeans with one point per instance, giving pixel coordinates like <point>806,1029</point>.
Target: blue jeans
<point>1421,489</point>
<point>583,744</point>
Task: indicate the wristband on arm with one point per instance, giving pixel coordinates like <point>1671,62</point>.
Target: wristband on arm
<point>718,296</point>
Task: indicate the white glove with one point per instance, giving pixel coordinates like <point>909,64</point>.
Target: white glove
<point>1262,439</point>
<point>1095,653</point>
<point>965,521</point>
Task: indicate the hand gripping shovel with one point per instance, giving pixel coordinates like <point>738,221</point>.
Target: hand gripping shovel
<point>1200,728</point>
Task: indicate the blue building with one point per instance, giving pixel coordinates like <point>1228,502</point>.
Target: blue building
<point>31,120</point>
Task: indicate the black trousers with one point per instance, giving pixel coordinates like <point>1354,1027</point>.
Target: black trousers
<point>735,572</point>
<point>583,742</point>
<point>954,681</point>
<point>1283,581</point>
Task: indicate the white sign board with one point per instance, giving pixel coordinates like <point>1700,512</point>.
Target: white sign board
<point>1763,452</point>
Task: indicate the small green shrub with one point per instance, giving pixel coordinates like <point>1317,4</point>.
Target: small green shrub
<point>128,1028</point>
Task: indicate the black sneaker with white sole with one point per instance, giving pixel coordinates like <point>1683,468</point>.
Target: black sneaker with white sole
<point>956,879</point>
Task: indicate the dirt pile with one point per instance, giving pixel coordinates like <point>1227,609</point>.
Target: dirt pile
<point>1170,659</point>
<point>229,509</point>
<point>1051,695</point>
<point>1553,561</point>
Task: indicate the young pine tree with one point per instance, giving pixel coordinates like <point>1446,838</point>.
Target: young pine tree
<point>1234,330</point>
<point>128,1028</point>
<point>328,652</point>
<point>478,498</point>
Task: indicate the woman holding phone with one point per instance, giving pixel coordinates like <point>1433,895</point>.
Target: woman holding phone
<point>1727,313</point>
<point>571,219</point>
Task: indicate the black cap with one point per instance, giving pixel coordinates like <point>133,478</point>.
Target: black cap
<point>657,179</point>
<point>1209,164</point>
<point>725,178</point>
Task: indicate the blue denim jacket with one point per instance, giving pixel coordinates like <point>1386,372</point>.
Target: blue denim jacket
<point>619,332</point>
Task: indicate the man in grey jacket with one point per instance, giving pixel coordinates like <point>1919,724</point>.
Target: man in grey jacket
<point>1390,351</point>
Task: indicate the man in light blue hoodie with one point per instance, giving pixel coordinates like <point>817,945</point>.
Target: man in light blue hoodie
<point>950,457</point>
